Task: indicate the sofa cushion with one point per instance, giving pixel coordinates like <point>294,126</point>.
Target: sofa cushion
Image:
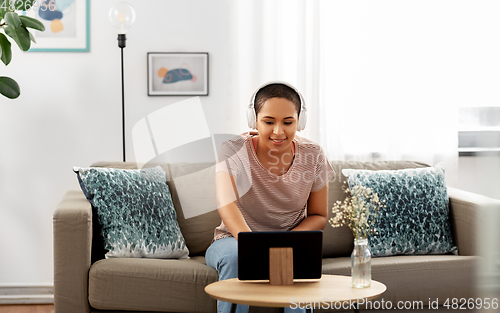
<point>417,277</point>
<point>339,241</point>
<point>193,194</point>
<point>135,211</point>
<point>415,219</point>
<point>152,285</point>
<point>198,230</point>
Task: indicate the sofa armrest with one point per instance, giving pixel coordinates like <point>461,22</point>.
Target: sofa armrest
<point>72,223</point>
<point>466,211</point>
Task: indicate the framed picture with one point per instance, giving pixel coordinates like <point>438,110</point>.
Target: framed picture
<point>177,74</point>
<point>66,25</point>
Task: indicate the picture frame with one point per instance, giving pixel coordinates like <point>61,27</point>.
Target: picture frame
<point>177,73</point>
<point>67,28</point>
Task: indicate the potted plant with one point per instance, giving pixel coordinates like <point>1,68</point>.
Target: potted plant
<point>16,27</point>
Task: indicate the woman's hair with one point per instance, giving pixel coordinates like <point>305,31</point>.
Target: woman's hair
<point>276,90</point>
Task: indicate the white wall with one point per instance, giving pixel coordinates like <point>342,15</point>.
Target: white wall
<point>69,114</point>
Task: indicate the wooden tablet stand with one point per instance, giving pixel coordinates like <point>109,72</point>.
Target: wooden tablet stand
<point>281,266</point>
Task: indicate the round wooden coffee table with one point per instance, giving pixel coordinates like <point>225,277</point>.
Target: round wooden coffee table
<point>331,290</point>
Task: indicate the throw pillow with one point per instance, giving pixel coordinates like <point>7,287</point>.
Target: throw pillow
<point>416,217</point>
<point>135,210</point>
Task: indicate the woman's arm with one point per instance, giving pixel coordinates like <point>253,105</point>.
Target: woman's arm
<point>226,204</point>
<point>317,211</point>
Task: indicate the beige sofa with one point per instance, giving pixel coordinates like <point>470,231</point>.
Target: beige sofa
<point>84,282</point>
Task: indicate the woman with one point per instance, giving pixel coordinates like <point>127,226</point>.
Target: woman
<point>269,180</point>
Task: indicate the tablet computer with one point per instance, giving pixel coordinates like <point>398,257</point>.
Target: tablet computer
<point>253,253</point>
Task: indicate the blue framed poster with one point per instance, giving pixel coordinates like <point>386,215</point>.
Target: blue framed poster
<point>67,27</point>
<point>177,74</point>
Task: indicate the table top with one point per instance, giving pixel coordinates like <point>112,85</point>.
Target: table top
<point>329,289</point>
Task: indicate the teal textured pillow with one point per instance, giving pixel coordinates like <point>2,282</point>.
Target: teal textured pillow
<point>135,211</point>
<point>416,217</point>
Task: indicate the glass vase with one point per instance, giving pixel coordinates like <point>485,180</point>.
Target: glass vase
<point>361,266</point>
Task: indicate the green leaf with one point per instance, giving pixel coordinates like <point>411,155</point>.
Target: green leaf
<point>32,37</point>
<point>32,23</point>
<point>9,87</point>
<point>12,19</point>
<point>2,13</point>
<point>6,49</point>
<point>21,36</point>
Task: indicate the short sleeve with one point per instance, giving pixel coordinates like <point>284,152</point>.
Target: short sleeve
<point>324,172</point>
<point>233,159</point>
<point>229,158</point>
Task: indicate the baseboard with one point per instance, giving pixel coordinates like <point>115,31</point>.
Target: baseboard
<point>26,294</point>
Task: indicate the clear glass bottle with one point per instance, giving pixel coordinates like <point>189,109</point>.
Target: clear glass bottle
<point>361,266</point>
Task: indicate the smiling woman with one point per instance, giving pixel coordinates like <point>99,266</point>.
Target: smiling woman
<point>256,179</point>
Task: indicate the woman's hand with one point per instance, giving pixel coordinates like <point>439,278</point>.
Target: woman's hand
<point>227,196</point>
<point>317,211</point>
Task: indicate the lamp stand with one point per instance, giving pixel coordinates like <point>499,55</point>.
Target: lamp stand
<point>121,43</point>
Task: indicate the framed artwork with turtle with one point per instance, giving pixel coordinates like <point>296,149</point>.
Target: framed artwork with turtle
<point>67,27</point>
<point>177,74</point>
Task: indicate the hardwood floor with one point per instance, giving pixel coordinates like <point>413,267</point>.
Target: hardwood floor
<point>25,308</point>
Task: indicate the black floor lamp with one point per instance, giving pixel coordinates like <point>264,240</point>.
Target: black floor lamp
<point>122,16</point>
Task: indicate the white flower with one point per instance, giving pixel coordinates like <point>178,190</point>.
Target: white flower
<point>359,210</point>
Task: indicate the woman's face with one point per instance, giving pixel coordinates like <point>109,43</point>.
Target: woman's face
<point>277,124</point>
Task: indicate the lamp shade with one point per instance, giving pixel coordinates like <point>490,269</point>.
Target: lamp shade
<point>122,16</point>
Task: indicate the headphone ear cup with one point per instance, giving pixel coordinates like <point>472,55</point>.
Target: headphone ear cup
<point>302,120</point>
<point>251,118</point>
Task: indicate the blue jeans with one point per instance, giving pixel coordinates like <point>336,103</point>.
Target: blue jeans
<point>223,256</point>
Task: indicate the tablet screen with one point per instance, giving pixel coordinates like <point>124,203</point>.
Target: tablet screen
<point>253,253</point>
